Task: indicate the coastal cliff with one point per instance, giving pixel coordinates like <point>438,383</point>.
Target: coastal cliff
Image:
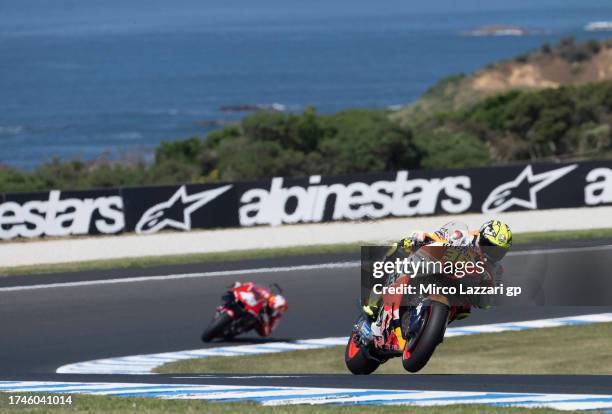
<point>566,63</point>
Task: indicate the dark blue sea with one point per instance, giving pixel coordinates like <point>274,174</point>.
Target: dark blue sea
<point>84,78</point>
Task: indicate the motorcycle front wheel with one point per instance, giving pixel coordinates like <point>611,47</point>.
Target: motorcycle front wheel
<point>216,327</point>
<point>417,354</point>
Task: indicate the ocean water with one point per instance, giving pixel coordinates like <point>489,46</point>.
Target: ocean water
<point>83,78</point>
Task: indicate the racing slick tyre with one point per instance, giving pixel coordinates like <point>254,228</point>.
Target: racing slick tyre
<point>216,327</point>
<point>356,359</point>
<point>418,351</point>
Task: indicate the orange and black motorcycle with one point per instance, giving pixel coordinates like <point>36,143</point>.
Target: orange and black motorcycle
<point>421,329</point>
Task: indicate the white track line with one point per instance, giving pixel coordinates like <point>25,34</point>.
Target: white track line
<point>321,266</point>
<point>561,250</point>
<point>335,265</point>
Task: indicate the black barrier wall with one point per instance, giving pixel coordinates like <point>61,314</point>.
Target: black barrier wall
<point>306,200</point>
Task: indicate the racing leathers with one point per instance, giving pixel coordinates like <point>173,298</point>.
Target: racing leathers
<point>272,312</point>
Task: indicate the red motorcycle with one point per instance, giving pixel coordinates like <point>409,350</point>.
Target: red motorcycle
<point>246,306</point>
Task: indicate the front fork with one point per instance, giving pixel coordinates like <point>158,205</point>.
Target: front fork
<point>414,320</point>
<point>226,309</point>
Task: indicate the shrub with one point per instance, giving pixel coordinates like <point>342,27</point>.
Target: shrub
<point>448,149</point>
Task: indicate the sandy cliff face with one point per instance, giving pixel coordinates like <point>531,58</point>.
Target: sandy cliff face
<point>535,71</point>
<point>518,77</point>
<point>542,72</point>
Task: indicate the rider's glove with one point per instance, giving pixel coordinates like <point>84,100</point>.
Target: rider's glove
<point>415,240</point>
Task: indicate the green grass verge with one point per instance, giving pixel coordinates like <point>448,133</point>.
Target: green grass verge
<point>581,349</point>
<point>150,261</point>
<point>88,404</point>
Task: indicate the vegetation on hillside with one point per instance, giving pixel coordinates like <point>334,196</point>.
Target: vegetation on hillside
<point>263,145</point>
<point>518,124</point>
<point>565,122</point>
<point>565,63</point>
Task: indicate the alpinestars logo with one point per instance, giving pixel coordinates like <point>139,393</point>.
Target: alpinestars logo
<point>523,190</point>
<point>176,212</point>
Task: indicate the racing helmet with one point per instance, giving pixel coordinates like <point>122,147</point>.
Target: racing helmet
<point>496,238</point>
<point>277,303</point>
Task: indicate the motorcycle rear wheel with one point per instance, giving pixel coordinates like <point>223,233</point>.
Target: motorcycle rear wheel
<point>429,338</point>
<point>216,327</point>
<point>356,359</point>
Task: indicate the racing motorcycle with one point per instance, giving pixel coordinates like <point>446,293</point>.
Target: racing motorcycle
<point>422,328</point>
<point>240,311</point>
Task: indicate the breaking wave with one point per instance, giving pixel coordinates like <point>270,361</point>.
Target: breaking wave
<point>9,130</point>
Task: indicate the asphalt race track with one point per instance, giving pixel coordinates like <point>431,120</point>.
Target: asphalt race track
<point>49,326</point>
